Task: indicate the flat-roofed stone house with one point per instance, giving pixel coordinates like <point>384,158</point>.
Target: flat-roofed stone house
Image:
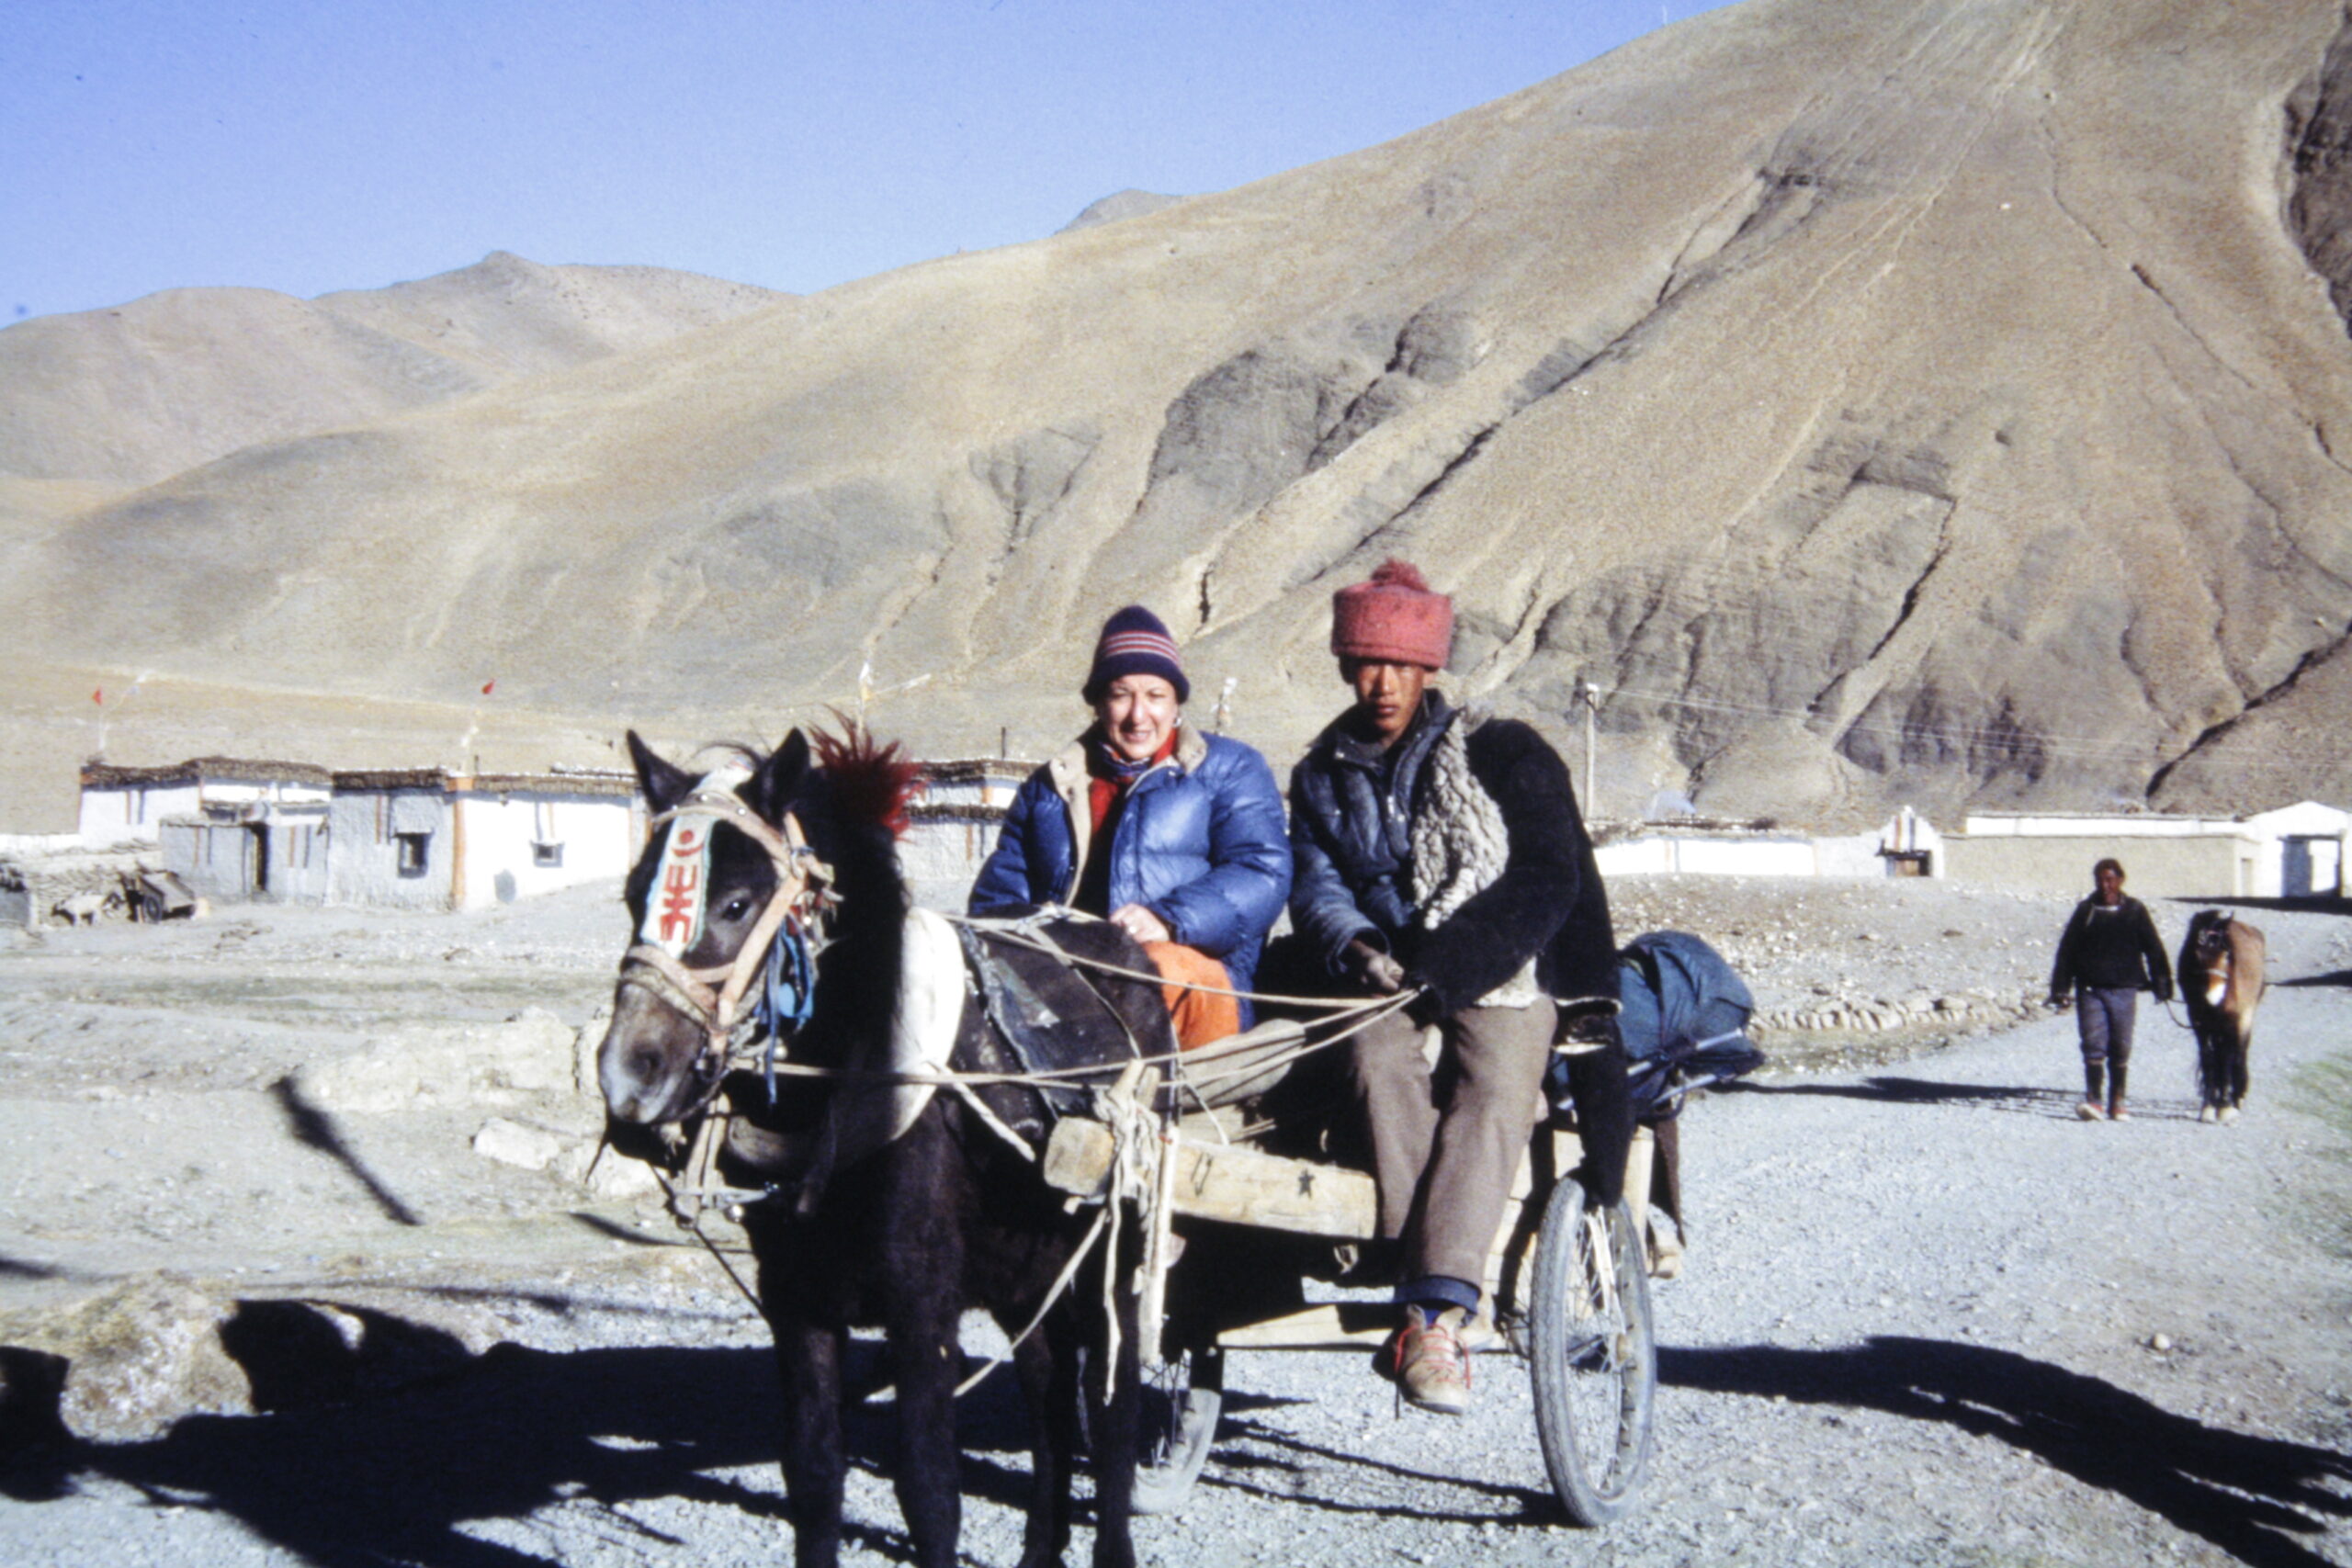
<point>425,838</point>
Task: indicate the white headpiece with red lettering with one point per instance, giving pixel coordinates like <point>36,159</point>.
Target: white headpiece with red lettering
<point>674,909</point>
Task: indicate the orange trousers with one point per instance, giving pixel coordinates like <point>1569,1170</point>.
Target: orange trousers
<point>1199,1016</point>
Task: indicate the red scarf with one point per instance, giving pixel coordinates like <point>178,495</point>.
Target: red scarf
<point>1110,775</point>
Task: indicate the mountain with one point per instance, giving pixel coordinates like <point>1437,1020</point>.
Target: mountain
<point>1878,400</point>
<point>125,396</point>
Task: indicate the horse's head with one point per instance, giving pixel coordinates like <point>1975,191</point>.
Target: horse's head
<point>2209,938</point>
<point>727,865</point>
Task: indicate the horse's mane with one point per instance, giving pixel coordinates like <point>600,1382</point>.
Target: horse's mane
<point>871,782</point>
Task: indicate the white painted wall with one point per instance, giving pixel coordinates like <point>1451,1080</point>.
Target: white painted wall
<point>134,814</point>
<point>40,844</point>
<point>596,837</point>
<point>2302,850</point>
<point>941,853</point>
<point>2094,825</point>
<point>1661,854</point>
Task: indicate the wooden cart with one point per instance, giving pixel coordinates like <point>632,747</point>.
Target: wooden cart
<point>1233,1230</point>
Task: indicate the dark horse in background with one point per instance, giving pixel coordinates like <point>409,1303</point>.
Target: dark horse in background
<point>2221,979</point>
<point>868,1222</point>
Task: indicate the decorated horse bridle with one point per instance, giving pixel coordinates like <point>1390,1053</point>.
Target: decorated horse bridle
<point>781,946</point>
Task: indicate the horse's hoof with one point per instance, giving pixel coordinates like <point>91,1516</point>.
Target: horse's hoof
<point>2205,1114</point>
<point>2229,1114</point>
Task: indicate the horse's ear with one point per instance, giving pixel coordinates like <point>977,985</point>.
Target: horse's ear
<point>779,778</point>
<point>664,786</point>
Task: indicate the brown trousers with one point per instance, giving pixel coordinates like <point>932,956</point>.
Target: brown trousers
<point>1446,1147</point>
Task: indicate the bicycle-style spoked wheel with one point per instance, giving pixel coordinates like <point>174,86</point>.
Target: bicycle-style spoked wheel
<point>1594,1361</point>
<point>1182,1398</point>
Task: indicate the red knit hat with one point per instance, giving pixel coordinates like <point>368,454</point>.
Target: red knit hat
<point>1393,619</point>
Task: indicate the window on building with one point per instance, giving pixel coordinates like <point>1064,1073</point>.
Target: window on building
<point>412,850</point>
<point>547,855</point>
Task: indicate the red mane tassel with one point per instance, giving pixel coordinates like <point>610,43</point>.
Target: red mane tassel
<point>872,781</point>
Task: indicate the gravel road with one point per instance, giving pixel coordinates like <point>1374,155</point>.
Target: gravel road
<point>1919,1322</point>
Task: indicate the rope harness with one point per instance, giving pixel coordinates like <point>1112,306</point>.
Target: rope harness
<point>780,952</point>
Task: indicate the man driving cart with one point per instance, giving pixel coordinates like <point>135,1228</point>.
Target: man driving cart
<point>1440,851</point>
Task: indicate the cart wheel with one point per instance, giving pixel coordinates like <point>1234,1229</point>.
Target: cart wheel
<point>1594,1362</point>
<point>1181,1401</point>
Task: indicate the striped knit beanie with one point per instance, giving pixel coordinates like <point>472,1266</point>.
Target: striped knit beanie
<point>1393,619</point>
<point>1135,642</point>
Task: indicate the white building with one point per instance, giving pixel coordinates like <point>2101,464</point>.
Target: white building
<point>952,827</point>
<point>977,781</point>
<point>428,839</point>
<point>1909,845</point>
<point>278,855</point>
<point>2303,851</point>
<point>128,806</point>
<point>2294,851</point>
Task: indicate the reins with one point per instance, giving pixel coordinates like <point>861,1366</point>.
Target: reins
<point>711,997</point>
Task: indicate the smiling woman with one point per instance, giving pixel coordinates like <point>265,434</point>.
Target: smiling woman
<point>1173,836</point>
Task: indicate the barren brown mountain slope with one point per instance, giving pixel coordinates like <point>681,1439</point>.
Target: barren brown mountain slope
<point>126,396</point>
<point>1881,399</point>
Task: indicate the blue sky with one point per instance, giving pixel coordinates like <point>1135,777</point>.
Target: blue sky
<point>312,145</point>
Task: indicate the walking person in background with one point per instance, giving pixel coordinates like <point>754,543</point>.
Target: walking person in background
<point>1172,835</point>
<point>2108,955</point>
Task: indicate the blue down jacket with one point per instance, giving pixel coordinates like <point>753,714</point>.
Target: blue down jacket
<point>1201,844</point>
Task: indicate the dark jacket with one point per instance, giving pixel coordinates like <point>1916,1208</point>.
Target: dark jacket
<point>1354,808</point>
<point>2111,947</point>
<point>1200,843</point>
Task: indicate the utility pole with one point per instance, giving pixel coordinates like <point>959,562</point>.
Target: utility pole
<point>1591,698</point>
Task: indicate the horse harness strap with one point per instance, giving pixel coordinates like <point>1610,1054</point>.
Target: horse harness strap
<point>711,995</point>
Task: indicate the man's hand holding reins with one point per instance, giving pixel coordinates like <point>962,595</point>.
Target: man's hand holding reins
<point>1374,970</point>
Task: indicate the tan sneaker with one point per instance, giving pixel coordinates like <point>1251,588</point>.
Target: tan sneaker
<point>2117,1112</point>
<point>2089,1112</point>
<point>1430,1362</point>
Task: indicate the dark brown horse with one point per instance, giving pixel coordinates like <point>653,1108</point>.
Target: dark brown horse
<point>885,1207</point>
<point>2221,979</point>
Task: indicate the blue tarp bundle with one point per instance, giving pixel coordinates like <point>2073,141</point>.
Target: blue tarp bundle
<point>1683,1015</point>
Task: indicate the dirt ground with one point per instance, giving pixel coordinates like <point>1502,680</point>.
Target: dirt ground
<point>1928,1316</point>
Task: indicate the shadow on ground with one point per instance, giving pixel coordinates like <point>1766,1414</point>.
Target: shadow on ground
<point>2054,1104</point>
<point>2308,904</point>
<point>1272,1462</point>
<point>392,1479</point>
<point>2250,1496</point>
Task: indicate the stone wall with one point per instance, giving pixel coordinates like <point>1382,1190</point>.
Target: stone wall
<point>2209,866</point>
